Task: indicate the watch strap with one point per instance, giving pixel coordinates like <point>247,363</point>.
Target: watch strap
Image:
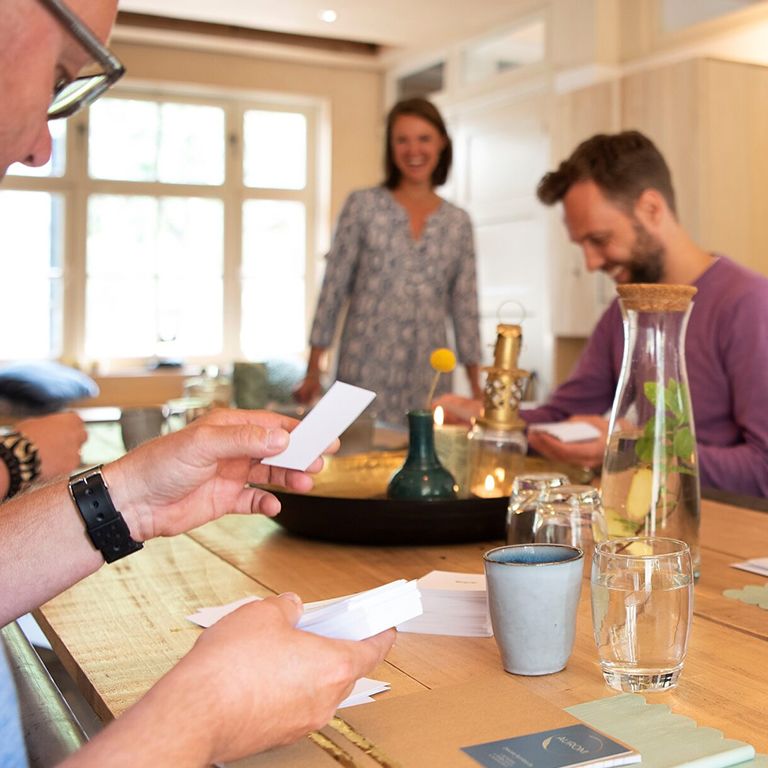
<point>19,454</point>
<point>105,526</point>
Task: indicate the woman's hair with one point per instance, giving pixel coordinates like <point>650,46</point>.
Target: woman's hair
<point>426,110</point>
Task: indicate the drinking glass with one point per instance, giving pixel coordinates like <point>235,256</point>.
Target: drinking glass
<point>642,604</point>
<point>570,514</point>
<point>523,500</point>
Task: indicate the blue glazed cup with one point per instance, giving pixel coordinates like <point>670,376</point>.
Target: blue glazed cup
<point>533,596</point>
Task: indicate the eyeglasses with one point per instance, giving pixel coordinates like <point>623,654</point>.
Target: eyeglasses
<point>69,96</point>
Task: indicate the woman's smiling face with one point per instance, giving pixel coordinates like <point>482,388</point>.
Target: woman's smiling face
<point>416,148</point>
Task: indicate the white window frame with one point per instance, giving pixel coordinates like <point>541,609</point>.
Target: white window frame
<point>75,186</point>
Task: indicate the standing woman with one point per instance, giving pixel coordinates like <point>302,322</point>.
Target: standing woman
<point>404,261</point>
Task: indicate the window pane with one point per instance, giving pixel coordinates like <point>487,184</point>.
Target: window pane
<point>154,276</point>
<point>57,164</point>
<point>273,291</point>
<point>165,142</point>
<point>30,273</point>
<point>275,154</point>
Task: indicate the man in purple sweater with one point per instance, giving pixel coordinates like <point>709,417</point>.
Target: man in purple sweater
<point>619,206</point>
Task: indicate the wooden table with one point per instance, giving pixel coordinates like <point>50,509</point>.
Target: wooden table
<point>123,627</point>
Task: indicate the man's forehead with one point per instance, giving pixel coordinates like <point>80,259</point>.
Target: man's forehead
<point>586,210</point>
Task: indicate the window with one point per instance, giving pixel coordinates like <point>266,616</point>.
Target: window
<point>31,274</point>
<point>179,228</point>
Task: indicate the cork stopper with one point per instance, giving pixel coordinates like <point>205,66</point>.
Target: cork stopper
<point>656,297</point>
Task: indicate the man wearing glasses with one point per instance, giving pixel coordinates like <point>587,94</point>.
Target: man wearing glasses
<point>252,681</point>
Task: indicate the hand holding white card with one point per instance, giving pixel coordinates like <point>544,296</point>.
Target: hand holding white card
<point>568,431</point>
<point>337,409</point>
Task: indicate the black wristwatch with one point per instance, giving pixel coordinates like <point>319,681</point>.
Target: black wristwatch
<point>19,454</point>
<point>105,526</point>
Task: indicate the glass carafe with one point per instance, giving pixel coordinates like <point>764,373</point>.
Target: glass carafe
<point>650,480</point>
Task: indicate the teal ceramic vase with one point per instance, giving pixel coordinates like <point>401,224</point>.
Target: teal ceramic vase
<point>422,476</point>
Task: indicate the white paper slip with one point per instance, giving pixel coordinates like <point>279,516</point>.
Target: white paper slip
<point>755,565</point>
<point>207,617</point>
<point>363,692</point>
<point>338,408</point>
<point>568,431</point>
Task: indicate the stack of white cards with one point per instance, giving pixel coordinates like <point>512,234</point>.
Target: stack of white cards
<point>454,604</point>
<point>365,614</point>
<point>353,617</point>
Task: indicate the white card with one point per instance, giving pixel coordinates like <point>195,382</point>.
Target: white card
<point>568,431</point>
<point>450,580</point>
<point>338,408</point>
<point>363,692</point>
<point>755,565</point>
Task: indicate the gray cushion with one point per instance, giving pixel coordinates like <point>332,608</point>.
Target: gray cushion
<point>43,386</point>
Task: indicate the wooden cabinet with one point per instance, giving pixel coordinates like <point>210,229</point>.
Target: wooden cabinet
<point>578,296</point>
<point>709,118</point>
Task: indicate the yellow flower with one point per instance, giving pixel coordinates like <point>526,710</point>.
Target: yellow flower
<point>442,360</point>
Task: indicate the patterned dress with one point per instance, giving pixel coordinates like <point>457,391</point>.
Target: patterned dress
<point>399,293</point>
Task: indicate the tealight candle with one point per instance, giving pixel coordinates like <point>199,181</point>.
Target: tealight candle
<point>488,489</point>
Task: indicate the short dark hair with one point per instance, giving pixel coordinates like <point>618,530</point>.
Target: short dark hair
<point>622,165</point>
<point>426,110</point>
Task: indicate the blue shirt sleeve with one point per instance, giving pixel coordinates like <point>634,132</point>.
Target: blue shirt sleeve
<point>13,753</point>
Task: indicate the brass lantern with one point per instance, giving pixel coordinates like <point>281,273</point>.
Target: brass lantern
<point>497,443</point>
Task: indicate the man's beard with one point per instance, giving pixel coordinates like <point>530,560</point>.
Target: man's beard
<point>646,263</point>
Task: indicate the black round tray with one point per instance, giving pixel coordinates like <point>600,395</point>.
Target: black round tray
<point>349,505</point>
<point>390,522</point>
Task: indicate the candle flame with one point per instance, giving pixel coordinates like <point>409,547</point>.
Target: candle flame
<point>501,474</point>
<point>490,483</point>
<point>439,416</point>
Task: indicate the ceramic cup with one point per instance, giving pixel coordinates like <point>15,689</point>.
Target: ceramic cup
<point>533,595</point>
<point>140,424</point>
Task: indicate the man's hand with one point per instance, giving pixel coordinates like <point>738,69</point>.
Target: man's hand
<point>583,454</point>
<point>174,483</point>
<point>271,682</point>
<point>458,409</point>
<point>308,391</point>
<point>251,682</point>
<point>58,439</point>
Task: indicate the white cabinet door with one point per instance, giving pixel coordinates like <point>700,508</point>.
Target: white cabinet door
<point>501,151</point>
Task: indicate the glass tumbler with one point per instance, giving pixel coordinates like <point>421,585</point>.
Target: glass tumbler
<point>642,605</point>
<point>523,500</point>
<point>571,514</point>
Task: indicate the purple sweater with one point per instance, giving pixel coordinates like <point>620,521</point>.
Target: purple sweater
<point>726,353</point>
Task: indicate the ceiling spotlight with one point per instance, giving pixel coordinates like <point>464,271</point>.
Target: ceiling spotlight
<point>328,16</point>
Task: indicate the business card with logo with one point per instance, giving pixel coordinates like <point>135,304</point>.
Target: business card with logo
<point>572,745</point>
